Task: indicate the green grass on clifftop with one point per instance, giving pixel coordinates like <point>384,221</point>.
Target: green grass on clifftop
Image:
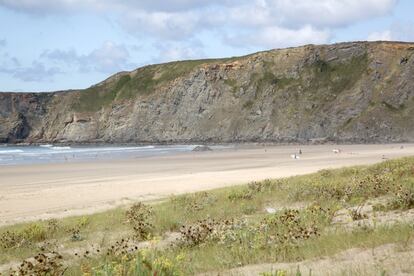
<point>143,82</point>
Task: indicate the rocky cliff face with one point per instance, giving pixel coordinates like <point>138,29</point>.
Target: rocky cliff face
<point>348,92</point>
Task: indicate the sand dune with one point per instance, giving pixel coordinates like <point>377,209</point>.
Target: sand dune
<point>30,192</point>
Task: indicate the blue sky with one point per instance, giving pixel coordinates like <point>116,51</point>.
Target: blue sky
<point>48,45</point>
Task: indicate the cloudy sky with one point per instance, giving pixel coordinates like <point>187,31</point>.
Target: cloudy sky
<point>50,45</point>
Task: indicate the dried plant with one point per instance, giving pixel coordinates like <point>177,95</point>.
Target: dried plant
<point>139,216</point>
<point>42,264</point>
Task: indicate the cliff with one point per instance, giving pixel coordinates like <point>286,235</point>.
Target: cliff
<point>347,92</point>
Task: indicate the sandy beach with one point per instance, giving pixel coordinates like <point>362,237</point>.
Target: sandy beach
<point>29,192</point>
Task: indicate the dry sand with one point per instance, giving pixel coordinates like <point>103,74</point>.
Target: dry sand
<point>387,259</point>
<point>29,192</point>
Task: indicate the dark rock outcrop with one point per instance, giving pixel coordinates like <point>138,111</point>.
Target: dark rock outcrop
<point>202,148</point>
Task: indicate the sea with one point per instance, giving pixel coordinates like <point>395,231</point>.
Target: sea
<point>17,155</point>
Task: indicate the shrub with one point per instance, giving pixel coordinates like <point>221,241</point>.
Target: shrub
<point>194,202</point>
<point>198,232</point>
<point>244,194</point>
<point>34,232</point>
<point>43,264</point>
<point>364,185</point>
<point>121,248</point>
<point>253,188</point>
<point>403,198</point>
<point>52,226</point>
<point>356,214</point>
<point>139,216</point>
<point>10,239</point>
<point>76,231</point>
<point>75,234</point>
<point>83,222</point>
<point>288,227</point>
<point>261,186</point>
<point>140,263</point>
<point>210,230</point>
<point>274,273</point>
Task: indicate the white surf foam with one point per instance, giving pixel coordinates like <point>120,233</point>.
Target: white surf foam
<point>10,151</point>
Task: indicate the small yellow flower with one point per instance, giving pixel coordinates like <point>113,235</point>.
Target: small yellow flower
<point>144,253</point>
<point>281,273</point>
<point>180,257</point>
<point>124,258</point>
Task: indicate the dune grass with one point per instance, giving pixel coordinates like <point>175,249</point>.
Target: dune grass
<point>223,228</point>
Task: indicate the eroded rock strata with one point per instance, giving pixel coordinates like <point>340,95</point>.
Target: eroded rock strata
<point>348,92</point>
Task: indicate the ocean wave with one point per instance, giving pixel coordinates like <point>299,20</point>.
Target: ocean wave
<point>108,149</point>
<point>61,148</point>
<point>48,153</point>
<point>10,151</point>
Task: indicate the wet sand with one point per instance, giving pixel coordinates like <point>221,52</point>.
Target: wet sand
<point>29,192</point>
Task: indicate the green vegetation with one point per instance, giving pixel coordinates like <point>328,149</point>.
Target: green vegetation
<point>328,78</point>
<point>148,78</point>
<point>233,84</point>
<point>96,97</point>
<point>338,77</point>
<point>262,81</point>
<point>269,79</point>
<point>223,228</point>
<point>143,82</point>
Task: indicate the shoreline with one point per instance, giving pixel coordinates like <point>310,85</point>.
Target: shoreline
<point>42,191</point>
<point>308,142</point>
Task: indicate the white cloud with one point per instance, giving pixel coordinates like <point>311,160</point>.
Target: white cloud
<point>380,36</point>
<point>175,24</point>
<point>275,23</point>
<point>274,36</point>
<point>183,19</point>
<point>328,13</point>
<point>48,6</point>
<point>36,72</point>
<point>8,64</point>
<point>108,58</point>
<point>174,51</point>
<point>170,5</point>
<point>69,56</point>
<point>403,31</point>
<point>172,26</point>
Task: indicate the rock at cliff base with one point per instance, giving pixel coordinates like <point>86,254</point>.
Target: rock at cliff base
<point>202,148</point>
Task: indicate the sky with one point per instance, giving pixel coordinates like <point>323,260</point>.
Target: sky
<point>49,45</point>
